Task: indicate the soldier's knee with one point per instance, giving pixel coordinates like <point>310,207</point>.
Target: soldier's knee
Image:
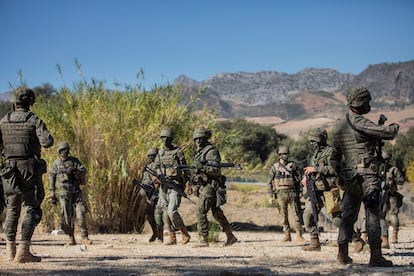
<point>35,214</point>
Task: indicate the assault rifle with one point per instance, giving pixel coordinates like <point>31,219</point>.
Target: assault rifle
<point>382,172</point>
<point>310,187</point>
<point>211,164</point>
<point>165,181</point>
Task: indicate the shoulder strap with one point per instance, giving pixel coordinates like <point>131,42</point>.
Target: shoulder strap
<point>29,114</point>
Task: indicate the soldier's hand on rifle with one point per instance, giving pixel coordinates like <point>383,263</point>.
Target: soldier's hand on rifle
<point>309,170</point>
<point>188,189</point>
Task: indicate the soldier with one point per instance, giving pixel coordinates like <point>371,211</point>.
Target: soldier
<point>284,184</point>
<point>209,183</point>
<point>169,198</point>
<point>149,189</point>
<point>355,141</point>
<point>67,175</point>
<point>324,177</point>
<point>393,177</point>
<point>21,138</point>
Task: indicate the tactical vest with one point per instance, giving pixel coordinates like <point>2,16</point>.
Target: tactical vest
<point>323,182</point>
<point>283,177</point>
<point>19,137</point>
<point>168,161</point>
<point>62,177</point>
<point>358,149</point>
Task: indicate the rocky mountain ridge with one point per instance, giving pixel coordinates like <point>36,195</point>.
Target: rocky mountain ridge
<point>271,93</point>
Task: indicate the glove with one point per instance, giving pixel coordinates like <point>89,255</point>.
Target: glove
<point>271,201</point>
<point>53,200</point>
<point>188,189</point>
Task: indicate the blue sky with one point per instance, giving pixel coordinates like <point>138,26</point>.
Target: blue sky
<point>114,39</point>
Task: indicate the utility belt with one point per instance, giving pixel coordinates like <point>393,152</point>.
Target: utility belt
<point>369,168</point>
<point>36,165</point>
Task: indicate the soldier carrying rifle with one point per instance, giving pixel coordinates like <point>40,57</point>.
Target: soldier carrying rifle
<point>283,185</point>
<point>209,186</point>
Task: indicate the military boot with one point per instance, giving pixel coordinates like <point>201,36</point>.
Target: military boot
<point>299,237</point>
<point>10,250</point>
<point>71,240</point>
<point>185,236</point>
<point>202,242</point>
<point>394,236</point>
<point>86,241</point>
<point>231,239</point>
<point>343,256</point>
<point>287,237</point>
<point>384,242</point>
<point>173,239</point>
<point>376,259</point>
<point>23,254</point>
<point>314,244</point>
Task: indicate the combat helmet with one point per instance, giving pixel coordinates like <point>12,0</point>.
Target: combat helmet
<point>356,97</point>
<point>318,135</point>
<point>283,150</point>
<point>167,132</point>
<point>201,132</point>
<point>23,96</point>
<point>152,151</point>
<point>63,145</point>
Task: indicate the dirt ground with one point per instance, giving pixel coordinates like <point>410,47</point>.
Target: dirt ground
<point>259,251</point>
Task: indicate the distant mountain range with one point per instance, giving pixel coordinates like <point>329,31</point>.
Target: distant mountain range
<point>306,93</point>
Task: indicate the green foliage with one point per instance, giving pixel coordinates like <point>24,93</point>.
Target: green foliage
<point>110,132</point>
<point>403,150</point>
<point>251,143</point>
<point>410,171</point>
<point>245,187</point>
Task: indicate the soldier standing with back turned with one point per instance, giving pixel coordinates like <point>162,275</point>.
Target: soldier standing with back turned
<point>355,141</point>
<point>21,138</point>
<point>284,184</point>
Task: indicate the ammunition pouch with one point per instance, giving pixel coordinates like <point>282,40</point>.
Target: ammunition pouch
<point>41,166</point>
<point>352,182</point>
<point>332,201</point>
<point>12,180</point>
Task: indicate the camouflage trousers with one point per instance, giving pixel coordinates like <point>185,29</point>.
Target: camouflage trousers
<point>169,201</point>
<point>308,213</point>
<point>350,210</point>
<point>31,197</point>
<point>207,201</point>
<point>72,207</point>
<point>286,199</point>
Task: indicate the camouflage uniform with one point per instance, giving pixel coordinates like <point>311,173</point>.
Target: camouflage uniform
<point>209,181</point>
<point>21,138</point>
<point>284,185</point>
<point>67,174</point>
<point>355,140</point>
<point>327,193</point>
<point>394,177</point>
<point>149,189</point>
<point>169,199</point>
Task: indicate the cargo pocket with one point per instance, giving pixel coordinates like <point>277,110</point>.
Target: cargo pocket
<point>12,180</point>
